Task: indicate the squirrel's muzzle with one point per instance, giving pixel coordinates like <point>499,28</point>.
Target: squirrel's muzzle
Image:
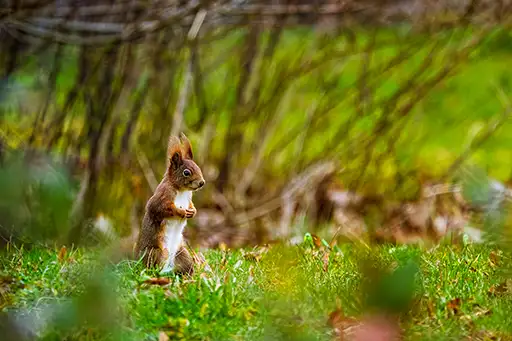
<point>197,184</point>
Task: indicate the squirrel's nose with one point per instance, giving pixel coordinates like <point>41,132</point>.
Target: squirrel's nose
<point>201,183</point>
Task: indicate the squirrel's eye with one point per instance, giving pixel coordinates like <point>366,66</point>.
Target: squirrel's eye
<point>186,172</point>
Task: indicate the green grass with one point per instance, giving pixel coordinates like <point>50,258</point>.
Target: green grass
<point>285,295</point>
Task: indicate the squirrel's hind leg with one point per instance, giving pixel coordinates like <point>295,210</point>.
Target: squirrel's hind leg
<point>184,263</point>
<point>154,257</point>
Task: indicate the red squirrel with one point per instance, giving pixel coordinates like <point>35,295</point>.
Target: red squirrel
<point>160,240</point>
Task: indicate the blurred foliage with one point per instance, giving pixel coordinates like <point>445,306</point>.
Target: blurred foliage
<point>385,295</point>
<point>493,199</point>
<point>393,106</point>
<point>36,195</point>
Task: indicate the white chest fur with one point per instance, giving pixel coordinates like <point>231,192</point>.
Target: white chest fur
<point>174,229</point>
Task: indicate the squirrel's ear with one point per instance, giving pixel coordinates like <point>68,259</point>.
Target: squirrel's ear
<point>187,147</point>
<point>174,152</point>
<point>176,160</point>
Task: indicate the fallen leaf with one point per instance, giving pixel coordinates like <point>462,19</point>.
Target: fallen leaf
<point>62,254</point>
<point>163,337</point>
<point>340,323</point>
<point>482,335</point>
<point>337,317</point>
<point>316,240</point>
<point>453,306</point>
<point>497,290</point>
<point>158,281</point>
<point>252,256</point>
<point>6,284</point>
<point>482,312</point>
<point>494,258</point>
<point>256,254</point>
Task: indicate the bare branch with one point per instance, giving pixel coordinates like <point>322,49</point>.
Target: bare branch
<point>178,118</point>
<point>478,142</point>
<point>146,169</point>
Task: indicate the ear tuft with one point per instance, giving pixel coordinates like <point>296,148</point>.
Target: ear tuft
<point>187,147</point>
<point>174,147</point>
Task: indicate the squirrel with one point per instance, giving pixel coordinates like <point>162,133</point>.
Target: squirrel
<point>160,240</point>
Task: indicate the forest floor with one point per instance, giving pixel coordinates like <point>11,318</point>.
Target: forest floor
<point>304,292</point>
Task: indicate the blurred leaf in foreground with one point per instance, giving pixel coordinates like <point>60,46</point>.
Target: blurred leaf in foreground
<point>393,292</point>
<point>489,197</point>
<point>35,198</point>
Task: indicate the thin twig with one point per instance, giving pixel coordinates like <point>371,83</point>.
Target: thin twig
<point>146,168</point>
<point>478,142</point>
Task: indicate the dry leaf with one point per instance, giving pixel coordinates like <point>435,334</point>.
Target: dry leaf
<point>477,312</point>
<point>482,335</point>
<point>494,258</point>
<point>340,323</point>
<point>62,254</point>
<point>316,240</point>
<point>163,337</point>
<point>158,281</point>
<point>499,289</point>
<point>482,312</point>
<point>252,256</point>
<point>336,317</point>
<point>255,255</point>
<point>453,306</point>
<point>6,283</point>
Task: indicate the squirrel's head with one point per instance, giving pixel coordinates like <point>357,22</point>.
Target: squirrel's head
<point>182,170</point>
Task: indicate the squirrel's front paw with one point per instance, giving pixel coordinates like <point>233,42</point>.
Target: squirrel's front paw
<point>191,212</point>
<point>181,213</point>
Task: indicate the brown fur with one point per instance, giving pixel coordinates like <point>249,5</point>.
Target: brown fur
<point>161,206</point>
<point>184,262</point>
